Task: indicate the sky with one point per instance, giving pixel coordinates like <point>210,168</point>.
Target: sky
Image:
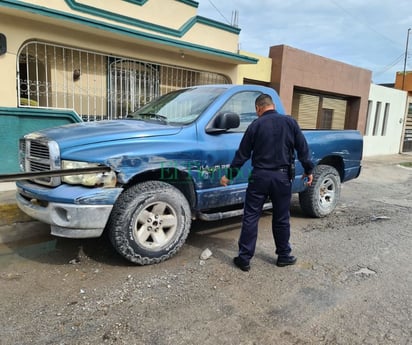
<point>370,34</point>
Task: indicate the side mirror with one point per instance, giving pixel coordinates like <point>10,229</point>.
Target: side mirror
<point>227,121</point>
<point>223,122</point>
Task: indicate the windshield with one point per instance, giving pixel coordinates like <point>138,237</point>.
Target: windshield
<point>178,107</point>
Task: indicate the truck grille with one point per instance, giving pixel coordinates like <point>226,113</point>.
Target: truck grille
<point>40,154</point>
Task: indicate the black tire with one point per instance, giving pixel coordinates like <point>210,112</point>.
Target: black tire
<point>321,198</point>
<point>149,222</point>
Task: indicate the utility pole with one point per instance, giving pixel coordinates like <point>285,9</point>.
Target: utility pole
<point>406,55</point>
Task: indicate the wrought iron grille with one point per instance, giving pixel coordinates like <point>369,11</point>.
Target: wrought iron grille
<point>95,85</point>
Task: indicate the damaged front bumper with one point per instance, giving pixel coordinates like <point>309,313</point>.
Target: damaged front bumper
<point>81,213</point>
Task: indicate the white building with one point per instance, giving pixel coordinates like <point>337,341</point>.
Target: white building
<point>385,121</point>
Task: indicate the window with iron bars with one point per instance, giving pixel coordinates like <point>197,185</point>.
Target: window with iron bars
<point>96,86</point>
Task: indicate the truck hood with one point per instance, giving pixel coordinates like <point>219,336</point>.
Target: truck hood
<point>103,131</point>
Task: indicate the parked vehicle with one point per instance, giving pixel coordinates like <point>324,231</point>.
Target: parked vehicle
<point>165,161</point>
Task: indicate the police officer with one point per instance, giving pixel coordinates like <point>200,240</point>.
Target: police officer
<point>270,141</point>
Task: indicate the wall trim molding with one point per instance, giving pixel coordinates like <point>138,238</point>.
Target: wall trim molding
<point>139,35</point>
<point>97,12</point>
<point>40,112</point>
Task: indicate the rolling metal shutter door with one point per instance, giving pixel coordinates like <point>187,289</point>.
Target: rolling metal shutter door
<point>305,110</point>
<point>339,111</point>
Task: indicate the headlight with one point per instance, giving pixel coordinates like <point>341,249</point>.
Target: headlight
<point>104,179</point>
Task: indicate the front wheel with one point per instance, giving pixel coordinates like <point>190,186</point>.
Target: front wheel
<point>321,198</point>
<point>149,222</point>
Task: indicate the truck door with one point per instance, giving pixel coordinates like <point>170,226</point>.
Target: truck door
<point>219,151</point>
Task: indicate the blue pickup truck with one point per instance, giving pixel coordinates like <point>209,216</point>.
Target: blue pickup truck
<point>163,167</point>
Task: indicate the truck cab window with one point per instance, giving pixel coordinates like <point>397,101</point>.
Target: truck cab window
<point>242,103</point>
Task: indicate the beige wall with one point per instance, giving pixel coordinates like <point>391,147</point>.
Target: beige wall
<point>153,12</point>
<point>161,8</point>
<point>213,38</point>
<point>169,14</point>
<point>260,71</point>
<point>8,95</point>
<point>65,34</point>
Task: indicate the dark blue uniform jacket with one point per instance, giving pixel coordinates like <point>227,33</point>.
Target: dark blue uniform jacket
<point>270,140</point>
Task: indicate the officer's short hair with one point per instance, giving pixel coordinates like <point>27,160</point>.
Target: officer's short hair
<point>264,100</point>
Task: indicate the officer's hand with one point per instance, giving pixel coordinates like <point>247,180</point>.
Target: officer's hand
<point>309,179</point>
<point>224,181</point>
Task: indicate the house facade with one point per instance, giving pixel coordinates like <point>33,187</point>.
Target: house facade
<point>320,92</point>
<point>70,54</point>
<point>324,93</point>
<point>385,120</point>
<point>68,61</point>
<point>403,82</point>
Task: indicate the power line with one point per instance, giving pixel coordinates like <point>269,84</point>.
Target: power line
<point>358,20</point>
<point>390,65</point>
<point>214,6</point>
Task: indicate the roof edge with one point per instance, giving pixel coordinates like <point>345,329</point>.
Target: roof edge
<point>60,15</point>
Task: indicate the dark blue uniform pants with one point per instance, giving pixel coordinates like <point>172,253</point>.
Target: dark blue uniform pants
<point>263,184</point>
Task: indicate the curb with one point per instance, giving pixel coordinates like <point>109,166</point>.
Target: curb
<point>9,211</point>
<point>15,225</point>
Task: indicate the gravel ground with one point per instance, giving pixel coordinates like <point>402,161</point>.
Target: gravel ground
<point>352,283</point>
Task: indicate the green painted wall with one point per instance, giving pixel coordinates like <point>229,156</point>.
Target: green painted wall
<point>16,122</point>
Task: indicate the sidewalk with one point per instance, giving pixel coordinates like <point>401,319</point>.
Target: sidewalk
<point>13,221</point>
<point>14,224</point>
<point>9,212</point>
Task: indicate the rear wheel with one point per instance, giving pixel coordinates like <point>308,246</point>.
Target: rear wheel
<point>321,198</point>
<point>149,222</point>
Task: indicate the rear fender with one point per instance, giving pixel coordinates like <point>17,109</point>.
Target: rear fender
<point>336,162</point>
